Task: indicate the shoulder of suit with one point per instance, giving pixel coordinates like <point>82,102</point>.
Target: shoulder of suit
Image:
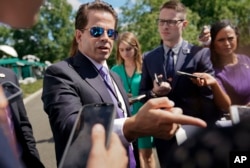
<point>152,52</point>
<point>64,64</point>
<point>6,70</point>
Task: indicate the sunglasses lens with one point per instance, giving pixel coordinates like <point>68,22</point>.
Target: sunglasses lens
<point>96,31</point>
<point>111,32</point>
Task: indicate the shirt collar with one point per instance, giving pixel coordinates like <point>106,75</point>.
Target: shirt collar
<point>98,65</point>
<point>175,49</point>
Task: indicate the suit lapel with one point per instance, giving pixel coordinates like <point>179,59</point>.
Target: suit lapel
<point>182,55</point>
<point>181,59</point>
<point>121,89</point>
<point>84,67</point>
<point>87,71</point>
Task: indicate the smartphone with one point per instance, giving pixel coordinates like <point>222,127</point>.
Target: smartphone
<point>79,143</point>
<point>239,113</point>
<point>136,98</point>
<point>187,74</point>
<point>158,80</point>
<point>11,91</point>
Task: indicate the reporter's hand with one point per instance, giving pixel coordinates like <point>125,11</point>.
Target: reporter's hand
<point>162,88</point>
<point>204,80</point>
<point>113,157</point>
<point>158,118</point>
<point>205,36</point>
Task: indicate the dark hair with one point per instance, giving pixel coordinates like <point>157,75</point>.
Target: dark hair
<point>131,40</point>
<point>175,5</point>
<point>81,19</point>
<point>215,28</point>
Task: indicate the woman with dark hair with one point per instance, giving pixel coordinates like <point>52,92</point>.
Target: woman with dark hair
<point>232,70</point>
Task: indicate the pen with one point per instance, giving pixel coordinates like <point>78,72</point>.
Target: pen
<point>157,80</point>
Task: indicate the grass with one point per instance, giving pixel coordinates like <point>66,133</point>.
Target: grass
<point>31,87</point>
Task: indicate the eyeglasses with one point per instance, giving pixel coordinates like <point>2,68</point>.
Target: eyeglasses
<point>170,23</point>
<point>98,31</point>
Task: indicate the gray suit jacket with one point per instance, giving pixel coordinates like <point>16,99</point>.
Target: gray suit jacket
<point>68,85</point>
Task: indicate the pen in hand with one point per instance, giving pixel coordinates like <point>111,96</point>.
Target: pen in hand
<point>158,80</point>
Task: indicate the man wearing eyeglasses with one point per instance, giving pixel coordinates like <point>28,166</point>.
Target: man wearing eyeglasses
<point>159,78</point>
<point>84,78</point>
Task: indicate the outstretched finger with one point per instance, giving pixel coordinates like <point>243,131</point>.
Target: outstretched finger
<point>186,120</point>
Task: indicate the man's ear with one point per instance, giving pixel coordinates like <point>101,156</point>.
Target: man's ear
<point>78,35</point>
<point>185,24</point>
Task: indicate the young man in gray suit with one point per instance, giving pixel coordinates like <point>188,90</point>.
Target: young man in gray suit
<point>176,54</point>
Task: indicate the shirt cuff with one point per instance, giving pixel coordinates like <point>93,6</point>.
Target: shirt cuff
<point>118,129</point>
<point>180,136</point>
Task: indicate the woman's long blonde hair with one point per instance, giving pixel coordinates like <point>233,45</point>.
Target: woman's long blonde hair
<point>130,39</point>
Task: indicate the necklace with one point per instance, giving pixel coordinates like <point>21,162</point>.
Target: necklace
<point>129,82</point>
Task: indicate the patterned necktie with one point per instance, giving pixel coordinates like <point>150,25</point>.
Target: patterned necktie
<point>108,82</point>
<point>170,65</point>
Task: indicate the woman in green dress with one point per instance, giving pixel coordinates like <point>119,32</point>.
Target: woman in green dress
<point>128,67</point>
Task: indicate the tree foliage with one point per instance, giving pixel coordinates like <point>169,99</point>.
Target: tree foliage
<point>50,38</point>
<point>210,11</point>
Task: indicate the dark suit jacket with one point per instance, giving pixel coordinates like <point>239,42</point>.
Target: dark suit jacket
<point>68,85</point>
<point>7,156</point>
<point>195,101</point>
<point>22,126</point>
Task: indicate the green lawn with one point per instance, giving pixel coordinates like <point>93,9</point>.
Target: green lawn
<point>31,88</point>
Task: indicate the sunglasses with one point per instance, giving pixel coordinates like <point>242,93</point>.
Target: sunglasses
<point>98,31</point>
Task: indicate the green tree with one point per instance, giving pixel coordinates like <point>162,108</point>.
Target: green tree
<point>210,11</point>
<point>50,38</point>
<point>140,18</point>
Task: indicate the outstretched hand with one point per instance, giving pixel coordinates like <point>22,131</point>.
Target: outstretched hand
<point>204,79</point>
<point>159,118</point>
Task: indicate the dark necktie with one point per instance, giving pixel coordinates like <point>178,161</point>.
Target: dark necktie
<point>108,82</point>
<point>170,64</point>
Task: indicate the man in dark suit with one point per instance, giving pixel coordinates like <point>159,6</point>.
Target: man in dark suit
<point>8,157</point>
<point>19,14</point>
<point>26,145</point>
<point>176,54</point>
<point>84,78</point>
